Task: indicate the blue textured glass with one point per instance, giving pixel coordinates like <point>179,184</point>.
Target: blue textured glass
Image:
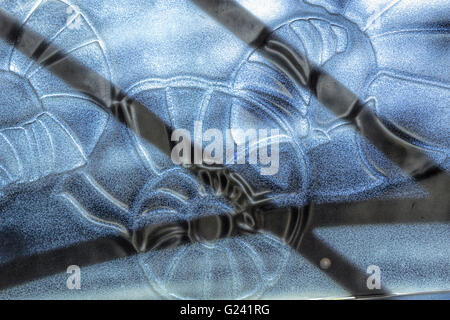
<point>71,173</point>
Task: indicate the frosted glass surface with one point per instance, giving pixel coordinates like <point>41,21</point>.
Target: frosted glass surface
<point>71,173</point>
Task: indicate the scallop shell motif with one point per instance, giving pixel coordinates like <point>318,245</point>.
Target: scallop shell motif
<point>48,128</point>
<point>332,44</point>
<point>407,89</point>
<point>181,101</point>
<point>239,267</point>
<point>362,51</point>
<point>210,267</point>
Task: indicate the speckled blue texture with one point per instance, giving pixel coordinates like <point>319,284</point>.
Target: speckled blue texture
<point>69,172</point>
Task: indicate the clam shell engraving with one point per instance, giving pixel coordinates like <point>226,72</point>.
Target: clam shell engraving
<point>48,128</point>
